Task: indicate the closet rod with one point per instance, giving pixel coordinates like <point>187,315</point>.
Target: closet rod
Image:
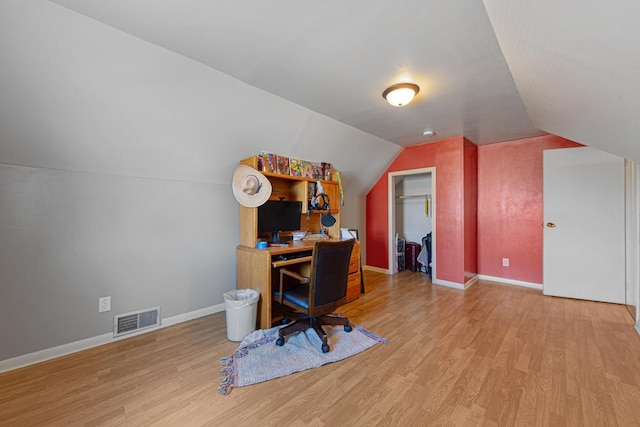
<point>415,196</point>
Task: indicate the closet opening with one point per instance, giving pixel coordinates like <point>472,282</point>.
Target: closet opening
<point>412,216</point>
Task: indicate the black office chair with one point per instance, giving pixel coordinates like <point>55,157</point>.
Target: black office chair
<point>317,296</point>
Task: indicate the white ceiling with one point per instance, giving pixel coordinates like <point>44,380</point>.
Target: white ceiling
<point>337,57</point>
<point>576,66</point>
<point>571,67</point>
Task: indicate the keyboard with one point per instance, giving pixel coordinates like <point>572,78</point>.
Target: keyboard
<point>301,254</point>
<point>292,255</point>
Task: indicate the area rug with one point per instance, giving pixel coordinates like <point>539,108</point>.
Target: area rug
<point>259,359</point>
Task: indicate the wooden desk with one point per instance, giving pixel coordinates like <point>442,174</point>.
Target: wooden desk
<point>258,269</point>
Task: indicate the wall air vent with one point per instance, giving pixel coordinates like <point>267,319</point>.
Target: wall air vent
<point>136,321</point>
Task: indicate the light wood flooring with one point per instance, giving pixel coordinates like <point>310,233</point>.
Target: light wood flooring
<point>494,355</point>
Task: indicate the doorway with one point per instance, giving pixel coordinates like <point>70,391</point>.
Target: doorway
<point>411,194</point>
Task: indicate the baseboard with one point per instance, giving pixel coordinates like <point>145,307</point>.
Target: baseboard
<point>455,285</point>
<point>638,328</point>
<point>471,282</point>
<point>376,269</point>
<point>185,317</point>
<point>448,284</point>
<point>510,282</point>
<point>65,349</point>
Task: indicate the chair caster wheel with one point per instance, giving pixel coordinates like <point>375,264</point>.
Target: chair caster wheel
<point>348,328</point>
<point>280,341</point>
<point>325,348</point>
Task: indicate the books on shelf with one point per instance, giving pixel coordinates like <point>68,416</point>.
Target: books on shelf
<point>282,165</point>
<point>268,161</point>
<point>295,167</point>
<point>316,171</point>
<point>307,169</point>
<point>326,171</point>
<point>275,163</point>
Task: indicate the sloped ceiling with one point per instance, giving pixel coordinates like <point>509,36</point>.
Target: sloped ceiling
<point>489,70</point>
<point>336,58</point>
<point>576,66</point>
<point>78,95</point>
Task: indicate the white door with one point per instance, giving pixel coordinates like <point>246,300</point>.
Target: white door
<point>584,225</point>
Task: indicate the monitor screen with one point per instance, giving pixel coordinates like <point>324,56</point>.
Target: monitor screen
<point>279,215</point>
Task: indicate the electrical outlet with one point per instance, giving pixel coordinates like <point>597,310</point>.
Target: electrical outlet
<point>505,262</point>
<point>104,304</point>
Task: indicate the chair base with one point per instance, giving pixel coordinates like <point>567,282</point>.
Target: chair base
<point>315,322</point>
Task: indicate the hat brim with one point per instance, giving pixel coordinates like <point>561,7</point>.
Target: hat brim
<point>250,200</point>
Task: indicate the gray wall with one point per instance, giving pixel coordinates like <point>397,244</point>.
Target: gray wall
<point>116,159</point>
<point>69,238</point>
<point>353,215</point>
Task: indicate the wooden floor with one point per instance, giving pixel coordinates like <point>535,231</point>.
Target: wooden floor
<point>492,355</point>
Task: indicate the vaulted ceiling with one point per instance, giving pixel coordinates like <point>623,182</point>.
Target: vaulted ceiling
<point>491,70</point>
<point>166,89</point>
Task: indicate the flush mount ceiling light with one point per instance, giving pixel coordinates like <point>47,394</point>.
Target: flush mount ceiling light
<point>400,94</point>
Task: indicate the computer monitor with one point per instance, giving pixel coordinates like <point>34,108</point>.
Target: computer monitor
<point>275,216</point>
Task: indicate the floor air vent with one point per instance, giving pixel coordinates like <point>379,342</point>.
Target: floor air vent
<point>136,321</point>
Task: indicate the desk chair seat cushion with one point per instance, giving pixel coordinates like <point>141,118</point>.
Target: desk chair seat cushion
<point>298,295</point>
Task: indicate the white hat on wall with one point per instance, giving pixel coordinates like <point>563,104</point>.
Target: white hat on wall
<point>250,187</point>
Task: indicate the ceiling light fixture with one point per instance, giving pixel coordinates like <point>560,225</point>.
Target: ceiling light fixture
<point>400,94</point>
<point>428,132</point>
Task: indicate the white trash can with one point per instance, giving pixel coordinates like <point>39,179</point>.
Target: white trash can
<point>242,309</point>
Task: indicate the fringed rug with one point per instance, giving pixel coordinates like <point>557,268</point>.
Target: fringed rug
<point>259,359</point>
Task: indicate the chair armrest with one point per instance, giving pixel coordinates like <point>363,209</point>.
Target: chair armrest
<point>289,273</point>
<point>295,275</point>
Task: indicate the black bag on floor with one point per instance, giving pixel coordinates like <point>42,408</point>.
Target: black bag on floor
<point>411,252</point>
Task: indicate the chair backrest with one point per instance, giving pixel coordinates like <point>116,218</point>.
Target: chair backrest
<point>329,274</point>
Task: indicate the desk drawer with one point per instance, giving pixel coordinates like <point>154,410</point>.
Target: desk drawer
<point>353,286</point>
<point>354,264</point>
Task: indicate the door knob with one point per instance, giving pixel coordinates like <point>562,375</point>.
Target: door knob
<point>550,224</point>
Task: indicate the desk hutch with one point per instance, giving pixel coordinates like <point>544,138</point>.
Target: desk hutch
<point>259,268</point>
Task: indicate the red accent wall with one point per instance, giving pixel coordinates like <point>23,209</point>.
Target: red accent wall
<point>510,211</point>
<point>448,157</point>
